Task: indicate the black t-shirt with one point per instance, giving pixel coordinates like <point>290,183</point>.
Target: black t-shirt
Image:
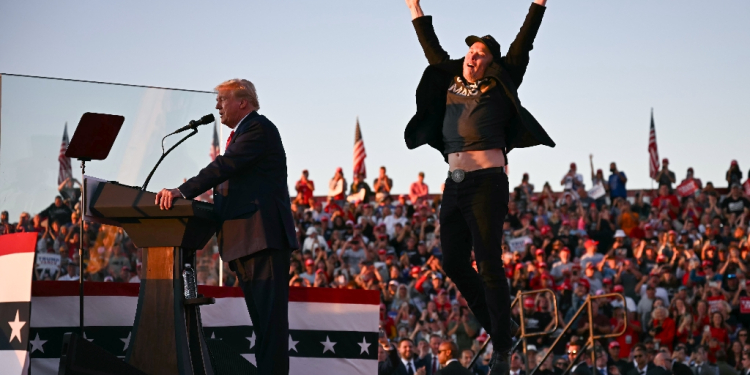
<point>60,214</point>
<point>666,179</point>
<point>735,206</point>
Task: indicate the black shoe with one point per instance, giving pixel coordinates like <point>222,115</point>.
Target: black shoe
<point>499,364</point>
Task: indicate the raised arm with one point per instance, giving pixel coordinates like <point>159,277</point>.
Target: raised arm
<point>426,33</point>
<point>517,58</point>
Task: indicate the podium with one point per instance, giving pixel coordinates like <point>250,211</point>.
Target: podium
<point>167,335</point>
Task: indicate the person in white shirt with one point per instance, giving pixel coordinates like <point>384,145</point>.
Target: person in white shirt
<point>572,180</point>
<point>337,186</point>
<point>314,238</point>
<point>72,275</point>
<point>391,220</point>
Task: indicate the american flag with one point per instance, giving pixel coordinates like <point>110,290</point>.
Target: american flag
<point>65,171</point>
<point>215,151</point>
<point>653,152</point>
<point>359,153</point>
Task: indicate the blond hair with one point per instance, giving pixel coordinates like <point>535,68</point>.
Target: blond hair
<point>241,89</point>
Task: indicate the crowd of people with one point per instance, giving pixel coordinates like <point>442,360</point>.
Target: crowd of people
<point>678,258</point>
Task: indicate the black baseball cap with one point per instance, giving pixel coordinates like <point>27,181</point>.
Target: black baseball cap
<point>488,41</point>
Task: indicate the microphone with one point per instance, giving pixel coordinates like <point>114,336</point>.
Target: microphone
<point>207,119</point>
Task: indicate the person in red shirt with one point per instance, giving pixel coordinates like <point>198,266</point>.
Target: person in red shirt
<point>662,328</point>
<point>305,188</point>
<point>667,202</point>
<point>628,339</point>
<point>718,330</point>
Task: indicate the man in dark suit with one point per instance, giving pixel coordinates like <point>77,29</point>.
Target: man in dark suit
<point>401,360</point>
<point>642,365</point>
<point>257,233</point>
<point>469,110</point>
<point>745,363</point>
<point>701,366</point>
<point>448,357</point>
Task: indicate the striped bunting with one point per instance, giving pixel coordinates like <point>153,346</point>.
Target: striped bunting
<point>16,267</point>
<point>331,330</point>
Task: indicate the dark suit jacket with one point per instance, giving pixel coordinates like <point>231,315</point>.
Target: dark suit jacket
<point>426,125</point>
<point>393,365</point>
<point>650,370</point>
<point>251,195</point>
<point>427,362</point>
<point>705,369</point>
<point>454,368</point>
<point>679,368</point>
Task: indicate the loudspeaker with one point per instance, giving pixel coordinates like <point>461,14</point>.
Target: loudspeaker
<point>227,361</point>
<point>80,357</point>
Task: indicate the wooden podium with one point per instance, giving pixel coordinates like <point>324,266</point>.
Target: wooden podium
<point>167,336</point>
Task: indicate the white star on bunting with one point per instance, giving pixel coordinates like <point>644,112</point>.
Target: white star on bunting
<point>251,339</point>
<point>364,346</point>
<point>37,344</point>
<point>328,345</point>
<point>126,341</point>
<point>15,327</point>
<point>293,344</point>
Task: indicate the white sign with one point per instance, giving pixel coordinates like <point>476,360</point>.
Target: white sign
<point>49,262</point>
<point>518,244</point>
<point>597,191</point>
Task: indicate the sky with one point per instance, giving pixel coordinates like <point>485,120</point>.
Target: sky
<point>596,71</point>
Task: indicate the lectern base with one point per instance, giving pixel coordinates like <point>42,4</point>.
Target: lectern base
<point>80,357</point>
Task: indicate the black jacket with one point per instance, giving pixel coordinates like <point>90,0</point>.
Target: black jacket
<point>454,368</point>
<point>426,125</point>
<point>250,195</point>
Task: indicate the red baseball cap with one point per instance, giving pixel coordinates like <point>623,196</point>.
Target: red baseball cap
<point>565,249</point>
<point>618,289</point>
<point>590,242</point>
<point>614,344</point>
<point>539,251</point>
<point>734,162</point>
<point>573,165</point>
<point>661,258</point>
<point>606,280</point>
<point>339,169</point>
<point>565,222</point>
<point>584,282</point>
<point>708,263</point>
<point>528,302</point>
<point>546,229</point>
<point>542,264</point>
<point>382,252</point>
<point>309,262</point>
<point>666,161</point>
<point>415,269</point>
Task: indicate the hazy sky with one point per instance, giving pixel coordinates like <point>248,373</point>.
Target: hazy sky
<point>596,70</point>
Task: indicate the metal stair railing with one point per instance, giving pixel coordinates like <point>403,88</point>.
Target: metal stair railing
<point>522,325</point>
<point>592,337</point>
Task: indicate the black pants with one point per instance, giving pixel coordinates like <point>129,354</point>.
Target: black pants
<point>263,277</point>
<point>472,216</point>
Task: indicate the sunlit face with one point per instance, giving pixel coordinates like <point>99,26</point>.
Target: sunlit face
<point>231,109</point>
<point>476,62</point>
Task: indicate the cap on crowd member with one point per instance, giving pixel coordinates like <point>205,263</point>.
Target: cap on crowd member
<point>618,289</point>
<point>620,233</point>
<point>309,262</point>
<point>546,229</point>
<point>382,252</point>
<point>565,249</point>
<point>584,282</point>
<point>606,280</point>
<point>614,344</point>
<point>542,265</point>
<point>590,243</point>
<point>528,302</point>
<point>539,251</point>
<point>415,271</point>
<point>310,230</point>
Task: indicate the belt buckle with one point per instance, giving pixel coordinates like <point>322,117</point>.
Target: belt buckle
<point>458,175</point>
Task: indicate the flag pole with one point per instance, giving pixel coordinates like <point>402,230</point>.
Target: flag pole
<point>221,262</point>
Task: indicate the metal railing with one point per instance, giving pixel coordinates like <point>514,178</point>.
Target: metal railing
<point>592,337</point>
<point>522,324</point>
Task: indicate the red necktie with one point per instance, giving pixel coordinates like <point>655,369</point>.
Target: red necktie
<point>434,364</point>
<point>231,135</point>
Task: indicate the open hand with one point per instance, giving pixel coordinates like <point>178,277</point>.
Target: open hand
<point>165,197</point>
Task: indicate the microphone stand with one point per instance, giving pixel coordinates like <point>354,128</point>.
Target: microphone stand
<point>164,154</point>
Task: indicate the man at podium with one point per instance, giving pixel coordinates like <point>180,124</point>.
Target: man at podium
<point>257,232</point>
